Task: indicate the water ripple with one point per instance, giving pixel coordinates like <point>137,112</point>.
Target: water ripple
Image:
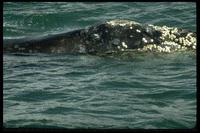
<point>84,91</point>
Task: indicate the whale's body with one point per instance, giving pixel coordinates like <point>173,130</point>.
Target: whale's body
<point>108,37</point>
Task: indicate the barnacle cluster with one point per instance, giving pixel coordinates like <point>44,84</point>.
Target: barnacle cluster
<point>171,40</point>
<point>122,47</point>
<point>122,23</point>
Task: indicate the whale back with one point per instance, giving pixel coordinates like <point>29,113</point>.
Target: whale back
<point>108,37</point>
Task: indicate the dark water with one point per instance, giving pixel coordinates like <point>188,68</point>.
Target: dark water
<point>84,91</point>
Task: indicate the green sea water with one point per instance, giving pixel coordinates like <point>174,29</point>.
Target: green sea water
<point>148,91</point>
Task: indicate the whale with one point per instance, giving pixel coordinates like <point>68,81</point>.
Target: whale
<point>112,36</point>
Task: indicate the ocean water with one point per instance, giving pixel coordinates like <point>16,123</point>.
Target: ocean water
<point>148,91</point>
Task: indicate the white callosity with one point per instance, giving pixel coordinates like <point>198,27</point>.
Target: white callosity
<point>144,40</point>
<point>124,45</point>
<point>170,41</point>
<point>170,38</point>
<point>97,36</point>
<point>138,31</point>
<point>122,23</point>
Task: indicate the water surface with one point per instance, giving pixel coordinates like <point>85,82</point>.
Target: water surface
<point>83,91</point>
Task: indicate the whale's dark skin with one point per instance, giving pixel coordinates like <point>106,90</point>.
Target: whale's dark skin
<point>106,38</point>
<point>64,42</point>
